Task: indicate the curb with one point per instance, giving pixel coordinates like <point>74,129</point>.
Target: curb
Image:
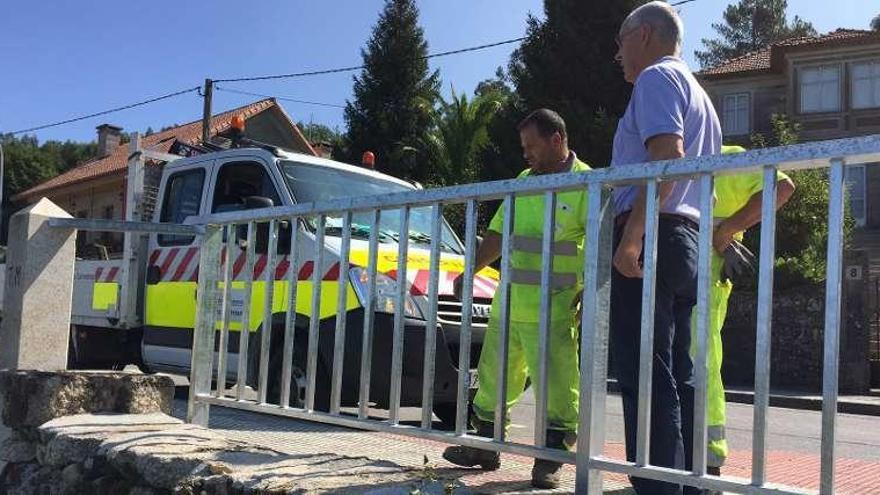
<point>844,404</point>
<point>868,406</point>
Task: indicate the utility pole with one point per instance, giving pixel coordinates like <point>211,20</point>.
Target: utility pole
<point>206,114</point>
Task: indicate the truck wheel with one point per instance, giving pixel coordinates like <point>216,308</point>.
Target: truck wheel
<point>298,380</point>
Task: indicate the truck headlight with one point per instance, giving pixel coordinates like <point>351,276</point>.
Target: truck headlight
<point>386,293</point>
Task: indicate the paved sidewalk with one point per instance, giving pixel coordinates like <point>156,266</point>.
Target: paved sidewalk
<point>798,469</point>
<point>302,437</point>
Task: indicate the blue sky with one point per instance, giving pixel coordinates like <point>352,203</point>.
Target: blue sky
<point>76,57</point>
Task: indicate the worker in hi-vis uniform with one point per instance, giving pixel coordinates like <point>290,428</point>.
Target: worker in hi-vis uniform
<point>545,147</point>
<point>738,201</point>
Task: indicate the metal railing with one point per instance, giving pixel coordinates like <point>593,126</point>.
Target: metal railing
<point>214,286</point>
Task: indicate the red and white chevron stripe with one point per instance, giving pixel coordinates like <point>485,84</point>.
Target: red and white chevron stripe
<point>182,265</point>
<point>107,274</point>
<point>484,287</point>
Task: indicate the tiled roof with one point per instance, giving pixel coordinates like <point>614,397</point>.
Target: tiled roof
<point>117,161</point>
<point>769,58</point>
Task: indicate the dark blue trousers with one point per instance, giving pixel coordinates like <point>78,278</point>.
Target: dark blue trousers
<point>672,402</point>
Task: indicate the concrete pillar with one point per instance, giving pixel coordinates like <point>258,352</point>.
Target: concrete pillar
<point>38,290</point>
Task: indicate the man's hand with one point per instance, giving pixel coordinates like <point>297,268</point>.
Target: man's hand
<point>721,238</point>
<point>738,261</point>
<point>626,258</point>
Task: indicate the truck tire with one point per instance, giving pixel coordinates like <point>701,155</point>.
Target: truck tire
<point>298,377</point>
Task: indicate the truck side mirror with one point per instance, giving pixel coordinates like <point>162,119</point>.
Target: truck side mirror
<point>262,234</point>
<point>257,202</point>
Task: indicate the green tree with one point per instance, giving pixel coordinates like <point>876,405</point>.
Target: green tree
<point>501,158</point>
<point>802,225</point>
<point>394,96</point>
<point>748,26</point>
<point>319,132</point>
<point>27,163</point>
<point>567,64</point>
<point>875,23</point>
<point>460,134</point>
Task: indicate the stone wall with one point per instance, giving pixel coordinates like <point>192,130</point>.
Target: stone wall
<point>797,340</point>
<point>71,433</point>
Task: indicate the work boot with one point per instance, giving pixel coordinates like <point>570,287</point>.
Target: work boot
<point>714,471</point>
<point>487,460</point>
<point>545,474</point>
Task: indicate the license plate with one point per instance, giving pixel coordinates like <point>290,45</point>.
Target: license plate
<point>481,310</point>
<point>473,379</point>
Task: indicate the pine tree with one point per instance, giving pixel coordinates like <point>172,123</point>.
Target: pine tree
<point>748,26</point>
<point>394,96</point>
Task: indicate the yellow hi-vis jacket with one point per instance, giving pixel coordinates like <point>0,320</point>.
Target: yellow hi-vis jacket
<point>528,258</point>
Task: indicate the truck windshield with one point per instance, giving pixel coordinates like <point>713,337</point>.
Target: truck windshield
<point>310,183</point>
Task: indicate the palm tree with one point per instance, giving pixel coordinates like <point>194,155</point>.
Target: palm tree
<point>460,133</point>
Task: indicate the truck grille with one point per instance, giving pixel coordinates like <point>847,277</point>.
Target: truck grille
<point>449,311</point>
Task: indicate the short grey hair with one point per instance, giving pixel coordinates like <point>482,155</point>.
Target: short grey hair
<point>660,16</point>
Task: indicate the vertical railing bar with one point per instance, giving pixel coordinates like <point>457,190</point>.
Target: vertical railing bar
<point>503,291</point>
<point>399,313</point>
<point>832,324</point>
<point>594,335</point>
<point>646,348</point>
<point>541,381</point>
<point>467,304</point>
<point>268,297</point>
<point>245,332</point>
<point>369,317</point>
<point>341,303</point>
<point>431,327</point>
<point>315,317</point>
<point>226,311</point>
<point>290,317</point>
<point>201,365</point>
<point>704,284</point>
<point>764,327</point>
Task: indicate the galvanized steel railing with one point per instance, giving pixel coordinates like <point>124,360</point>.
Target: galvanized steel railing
<point>214,290</point>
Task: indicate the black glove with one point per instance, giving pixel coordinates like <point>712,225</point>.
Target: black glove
<point>738,261</point>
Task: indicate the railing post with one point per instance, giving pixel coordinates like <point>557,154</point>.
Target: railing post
<point>830,366</point>
<point>704,287</point>
<point>646,344</point>
<point>764,327</point>
<point>595,317</point>
<point>206,315</point>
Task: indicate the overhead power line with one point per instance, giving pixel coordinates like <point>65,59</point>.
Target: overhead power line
<point>279,97</point>
<point>359,67</point>
<point>105,112</point>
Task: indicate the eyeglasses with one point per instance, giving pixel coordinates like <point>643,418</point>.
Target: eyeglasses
<point>620,36</point>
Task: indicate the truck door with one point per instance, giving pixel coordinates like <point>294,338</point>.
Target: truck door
<point>172,271</point>
<point>242,184</point>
